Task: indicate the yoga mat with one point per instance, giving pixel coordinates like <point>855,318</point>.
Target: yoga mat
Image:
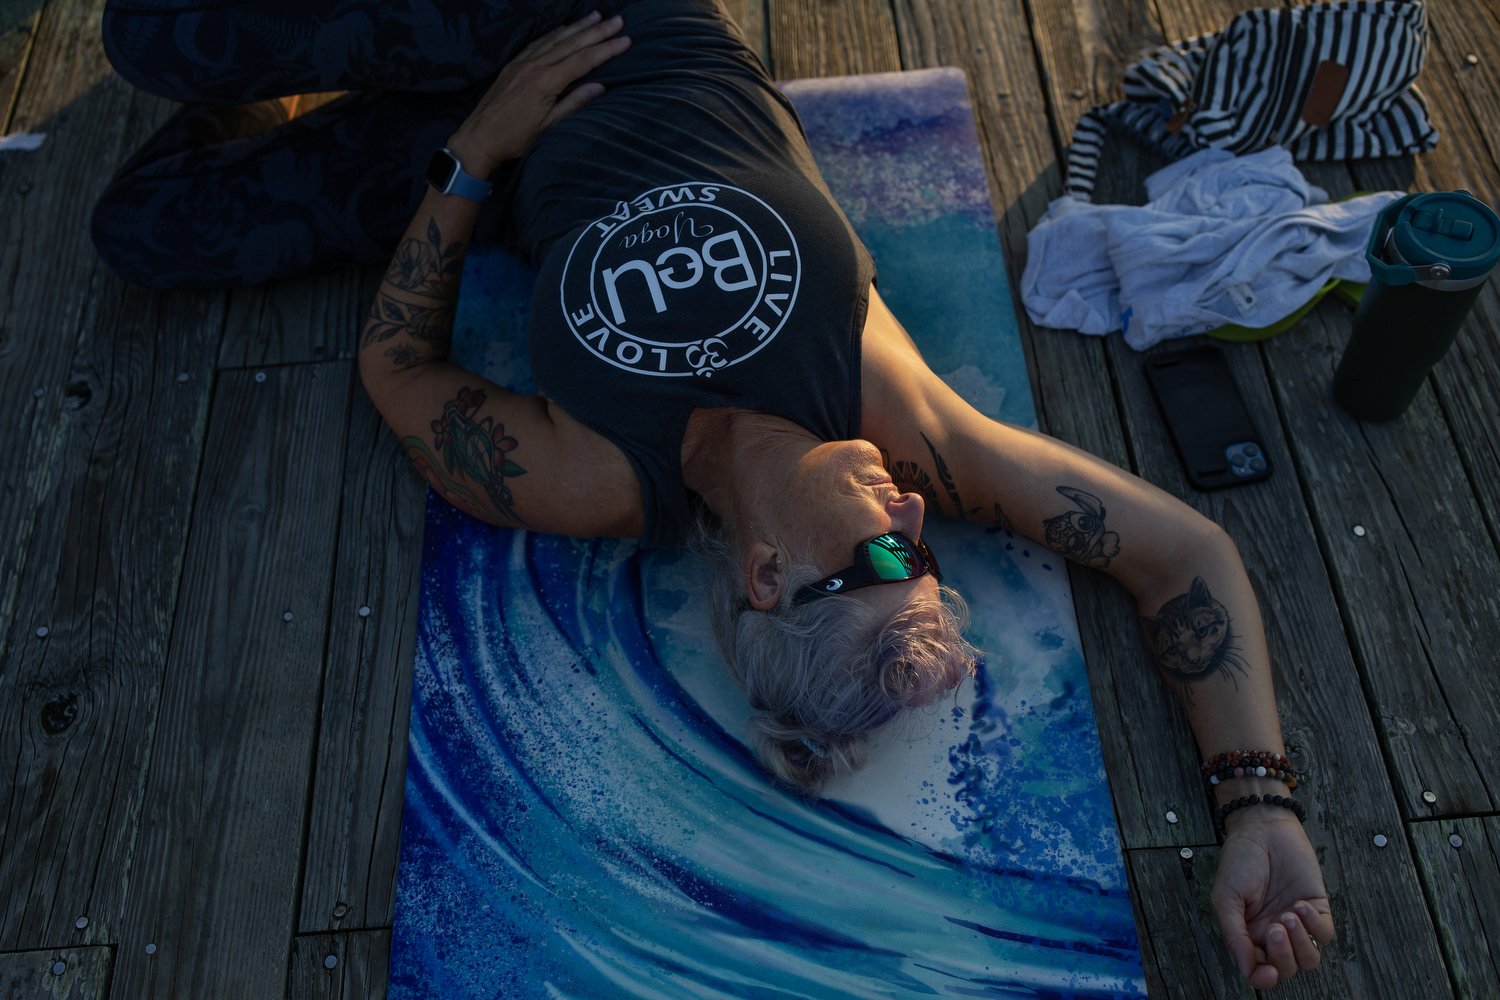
<point>583,818</point>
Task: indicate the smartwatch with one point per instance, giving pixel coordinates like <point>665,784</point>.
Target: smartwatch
<point>447,176</point>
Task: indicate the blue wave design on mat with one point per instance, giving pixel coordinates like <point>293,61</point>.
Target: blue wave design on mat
<point>583,818</point>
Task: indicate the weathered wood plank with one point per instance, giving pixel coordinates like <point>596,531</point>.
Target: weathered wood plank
<point>213,878</point>
<point>1463,886</point>
<point>1185,956</point>
<point>69,974</point>
<point>1464,61</point>
<point>96,499</point>
<point>47,262</point>
<point>349,871</point>
<point>361,966</point>
<point>77,707</point>
<point>18,23</point>
<point>1417,577</point>
<point>299,320</point>
<point>822,38</point>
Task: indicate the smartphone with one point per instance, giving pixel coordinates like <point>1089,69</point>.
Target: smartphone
<point>1211,429</point>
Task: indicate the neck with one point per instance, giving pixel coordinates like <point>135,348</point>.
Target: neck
<point>734,459</point>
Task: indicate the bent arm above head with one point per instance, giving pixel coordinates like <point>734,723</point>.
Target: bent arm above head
<point>505,458</point>
<point>502,457</point>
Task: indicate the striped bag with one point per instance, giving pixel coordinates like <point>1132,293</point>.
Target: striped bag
<point>1328,81</point>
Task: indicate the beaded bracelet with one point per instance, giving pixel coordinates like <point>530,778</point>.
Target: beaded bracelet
<point>1248,763</point>
<point>1284,801</point>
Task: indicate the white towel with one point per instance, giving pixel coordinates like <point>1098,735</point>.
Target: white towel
<point>1223,239</point>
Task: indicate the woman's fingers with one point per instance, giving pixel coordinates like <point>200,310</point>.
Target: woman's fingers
<point>584,61</point>
<point>1303,947</point>
<point>542,45</point>
<point>1318,923</point>
<point>575,99</point>
<point>1279,951</point>
<point>577,36</point>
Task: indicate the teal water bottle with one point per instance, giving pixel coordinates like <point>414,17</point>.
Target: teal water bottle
<point>1429,257</point>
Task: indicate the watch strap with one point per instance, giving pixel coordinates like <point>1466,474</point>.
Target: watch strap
<point>461,182</point>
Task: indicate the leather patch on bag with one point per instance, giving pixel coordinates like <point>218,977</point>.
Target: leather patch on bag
<point>1328,83</point>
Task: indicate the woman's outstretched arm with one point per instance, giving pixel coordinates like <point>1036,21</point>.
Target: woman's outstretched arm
<point>502,457</point>
<point>1198,614</point>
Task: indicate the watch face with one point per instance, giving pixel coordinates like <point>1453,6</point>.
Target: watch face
<point>440,169</point>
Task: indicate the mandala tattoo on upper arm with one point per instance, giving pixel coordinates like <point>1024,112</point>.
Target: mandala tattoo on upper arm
<point>909,476</point>
<point>1079,534</point>
<point>1191,639</point>
<point>473,454</point>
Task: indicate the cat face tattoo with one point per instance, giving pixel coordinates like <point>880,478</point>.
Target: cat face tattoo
<point>1079,534</point>
<point>1191,639</point>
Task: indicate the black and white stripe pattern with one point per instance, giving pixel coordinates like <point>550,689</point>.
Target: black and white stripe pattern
<point>1244,89</point>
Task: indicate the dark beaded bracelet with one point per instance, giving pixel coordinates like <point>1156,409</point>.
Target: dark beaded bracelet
<point>1284,801</point>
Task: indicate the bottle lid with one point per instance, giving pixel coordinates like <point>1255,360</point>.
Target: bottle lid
<point>1451,228</point>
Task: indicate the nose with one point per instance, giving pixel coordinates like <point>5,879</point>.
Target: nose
<point>906,512</point>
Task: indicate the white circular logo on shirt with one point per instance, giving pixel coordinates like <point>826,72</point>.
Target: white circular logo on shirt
<point>682,280</point>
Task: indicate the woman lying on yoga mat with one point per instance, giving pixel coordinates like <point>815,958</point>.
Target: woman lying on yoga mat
<point>715,361</point>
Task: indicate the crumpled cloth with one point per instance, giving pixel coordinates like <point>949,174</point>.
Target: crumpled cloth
<point>1223,239</point>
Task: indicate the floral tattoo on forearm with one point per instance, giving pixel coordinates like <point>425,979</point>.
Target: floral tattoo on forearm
<point>469,461</point>
<point>417,299</point>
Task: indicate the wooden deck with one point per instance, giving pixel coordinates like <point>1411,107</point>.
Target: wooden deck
<point>209,553</point>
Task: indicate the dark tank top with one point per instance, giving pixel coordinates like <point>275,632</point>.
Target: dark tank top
<point>690,255</point>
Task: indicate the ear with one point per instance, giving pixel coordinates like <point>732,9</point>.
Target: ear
<point>765,575</point>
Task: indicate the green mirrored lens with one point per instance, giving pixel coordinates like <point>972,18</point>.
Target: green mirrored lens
<point>891,558</point>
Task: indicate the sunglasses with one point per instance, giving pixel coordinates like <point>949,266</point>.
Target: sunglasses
<point>887,558</point>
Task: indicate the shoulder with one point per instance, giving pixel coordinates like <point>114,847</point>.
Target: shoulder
<point>902,398</point>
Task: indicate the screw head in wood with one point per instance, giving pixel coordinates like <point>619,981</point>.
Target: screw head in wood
<point>1171,816</point>
<point>364,611</point>
<point>151,949</point>
<point>287,616</point>
<point>339,911</point>
<point>182,376</point>
<point>1359,531</point>
<point>1429,797</point>
<point>1185,853</point>
<point>1471,59</point>
<point>260,376</point>
<point>1076,93</point>
<point>58,968</point>
<point>42,632</point>
<point>81,923</point>
<point>39,392</point>
<point>1380,840</point>
<point>1455,840</point>
<point>330,961</point>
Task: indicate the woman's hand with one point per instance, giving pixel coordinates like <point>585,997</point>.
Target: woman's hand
<point>1269,896</point>
<point>527,97</point>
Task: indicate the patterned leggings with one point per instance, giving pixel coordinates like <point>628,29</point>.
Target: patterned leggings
<point>230,192</point>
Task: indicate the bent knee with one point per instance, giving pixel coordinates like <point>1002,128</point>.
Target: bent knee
<point>144,45</point>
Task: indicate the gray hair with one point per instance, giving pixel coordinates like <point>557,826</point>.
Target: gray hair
<point>827,672</point>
